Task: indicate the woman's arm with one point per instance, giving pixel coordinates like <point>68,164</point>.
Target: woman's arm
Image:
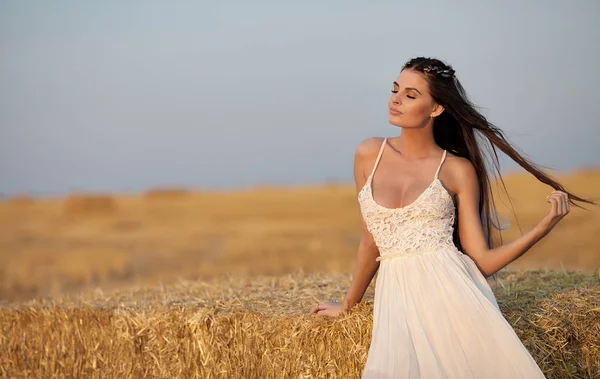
<point>366,265</point>
<point>470,229</point>
<point>364,271</point>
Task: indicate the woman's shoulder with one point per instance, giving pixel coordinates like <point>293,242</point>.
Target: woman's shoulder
<point>459,171</point>
<point>459,165</point>
<point>365,156</point>
<point>369,146</point>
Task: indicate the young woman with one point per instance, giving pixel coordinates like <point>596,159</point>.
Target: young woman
<point>427,210</point>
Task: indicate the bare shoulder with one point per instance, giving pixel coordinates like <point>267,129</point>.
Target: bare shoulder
<point>459,173</point>
<point>460,167</point>
<point>365,156</point>
<point>368,147</point>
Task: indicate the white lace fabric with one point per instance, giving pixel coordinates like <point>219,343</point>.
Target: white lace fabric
<point>421,227</point>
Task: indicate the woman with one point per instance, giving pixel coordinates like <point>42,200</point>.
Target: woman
<point>426,211</point>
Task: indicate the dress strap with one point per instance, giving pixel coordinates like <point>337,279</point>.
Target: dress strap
<point>440,166</point>
<point>379,156</point>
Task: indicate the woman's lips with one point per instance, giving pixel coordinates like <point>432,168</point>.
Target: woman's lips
<point>395,112</point>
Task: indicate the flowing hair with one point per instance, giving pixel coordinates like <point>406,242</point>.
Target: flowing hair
<point>465,132</point>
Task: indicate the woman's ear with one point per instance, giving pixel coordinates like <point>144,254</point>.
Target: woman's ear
<point>437,110</point>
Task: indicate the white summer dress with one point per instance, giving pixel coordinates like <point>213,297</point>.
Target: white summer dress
<point>435,315</point>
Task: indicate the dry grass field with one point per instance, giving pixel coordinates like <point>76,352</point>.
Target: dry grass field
<point>50,247</point>
<point>180,283</point>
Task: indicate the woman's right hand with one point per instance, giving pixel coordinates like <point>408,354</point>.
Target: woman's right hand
<point>331,309</point>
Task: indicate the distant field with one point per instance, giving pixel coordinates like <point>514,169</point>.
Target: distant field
<point>51,247</point>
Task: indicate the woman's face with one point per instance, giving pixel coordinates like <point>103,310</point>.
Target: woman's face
<point>411,105</point>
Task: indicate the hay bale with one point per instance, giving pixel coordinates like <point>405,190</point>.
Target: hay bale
<point>166,193</point>
<point>89,204</point>
<point>259,327</point>
<point>571,324</point>
<point>20,200</point>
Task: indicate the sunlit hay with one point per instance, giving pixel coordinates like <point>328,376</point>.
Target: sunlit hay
<point>572,319</point>
<point>530,299</point>
<point>260,328</point>
<point>89,204</point>
<point>166,193</point>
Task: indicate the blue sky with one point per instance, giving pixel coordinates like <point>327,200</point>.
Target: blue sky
<point>127,95</point>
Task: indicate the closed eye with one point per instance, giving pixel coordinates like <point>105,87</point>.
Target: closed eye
<point>396,91</point>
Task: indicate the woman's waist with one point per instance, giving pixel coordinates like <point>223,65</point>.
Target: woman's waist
<point>413,251</point>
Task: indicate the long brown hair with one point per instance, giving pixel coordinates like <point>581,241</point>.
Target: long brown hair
<point>465,132</point>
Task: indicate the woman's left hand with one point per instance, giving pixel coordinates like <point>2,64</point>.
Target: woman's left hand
<point>560,206</point>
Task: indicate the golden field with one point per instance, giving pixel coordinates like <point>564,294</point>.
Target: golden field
<point>178,283</point>
<point>54,246</point>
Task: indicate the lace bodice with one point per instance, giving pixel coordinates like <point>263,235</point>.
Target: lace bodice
<point>423,226</point>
